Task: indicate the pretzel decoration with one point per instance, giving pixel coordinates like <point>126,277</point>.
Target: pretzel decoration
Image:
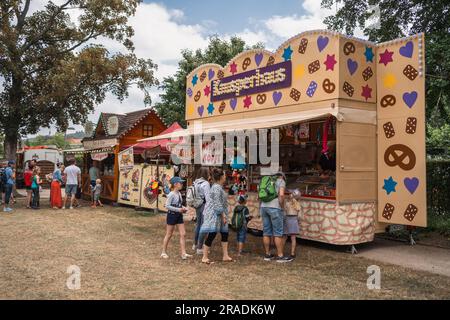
<point>388,101</point>
<point>271,61</point>
<point>220,74</point>
<point>246,63</point>
<point>261,98</point>
<point>197,96</point>
<point>349,48</point>
<point>328,86</point>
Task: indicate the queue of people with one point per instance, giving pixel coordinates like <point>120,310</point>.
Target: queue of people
<point>33,180</point>
<point>207,196</point>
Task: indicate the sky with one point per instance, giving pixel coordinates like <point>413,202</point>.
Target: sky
<point>164,28</point>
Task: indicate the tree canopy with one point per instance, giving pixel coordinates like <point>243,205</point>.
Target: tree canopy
<point>172,105</point>
<point>399,18</point>
<point>54,70</point>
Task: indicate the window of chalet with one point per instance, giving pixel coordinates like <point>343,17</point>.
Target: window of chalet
<point>147,130</point>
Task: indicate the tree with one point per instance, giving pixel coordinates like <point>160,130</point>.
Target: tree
<point>52,70</point>
<point>399,18</point>
<point>172,105</point>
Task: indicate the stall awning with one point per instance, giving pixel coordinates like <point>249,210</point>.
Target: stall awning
<point>161,143</point>
<point>273,121</point>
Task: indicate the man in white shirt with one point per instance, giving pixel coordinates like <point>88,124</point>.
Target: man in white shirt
<point>73,178</point>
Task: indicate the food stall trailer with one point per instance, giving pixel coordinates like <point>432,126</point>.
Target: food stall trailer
<point>145,170</point>
<point>114,133</point>
<point>320,86</point>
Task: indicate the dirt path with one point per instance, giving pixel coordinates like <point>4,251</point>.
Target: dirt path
<point>117,251</point>
<point>418,257</point>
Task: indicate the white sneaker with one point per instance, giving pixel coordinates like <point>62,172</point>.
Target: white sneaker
<point>71,208</point>
<point>200,252</point>
<point>186,256</point>
<point>164,255</point>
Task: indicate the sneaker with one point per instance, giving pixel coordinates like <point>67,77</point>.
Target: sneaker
<point>186,256</point>
<point>164,255</point>
<point>64,208</point>
<point>71,208</point>
<point>269,257</point>
<point>194,247</point>
<point>7,210</point>
<point>292,257</point>
<point>283,259</point>
<point>199,252</point>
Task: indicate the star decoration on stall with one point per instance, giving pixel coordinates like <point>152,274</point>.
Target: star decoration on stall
<point>330,62</point>
<point>299,71</point>
<point>369,54</point>
<point>233,68</point>
<point>207,91</point>
<point>194,80</point>
<point>211,109</point>
<point>287,53</point>
<point>386,57</point>
<point>389,185</point>
<point>366,92</point>
<point>389,81</point>
<point>247,102</point>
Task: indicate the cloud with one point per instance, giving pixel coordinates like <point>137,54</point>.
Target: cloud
<point>288,26</point>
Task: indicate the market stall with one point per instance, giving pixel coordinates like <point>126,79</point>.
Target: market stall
<point>114,133</point>
<point>145,170</point>
<point>350,121</point>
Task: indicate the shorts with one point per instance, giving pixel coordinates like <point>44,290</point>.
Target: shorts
<point>174,218</point>
<point>291,225</point>
<point>71,189</point>
<point>272,222</point>
<point>28,188</point>
<point>241,235</point>
<point>96,197</point>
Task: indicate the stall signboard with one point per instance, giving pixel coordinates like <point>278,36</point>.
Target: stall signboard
<point>212,153</point>
<point>165,173</point>
<point>126,160</point>
<point>130,186</point>
<point>99,156</point>
<point>97,144</point>
<point>401,132</point>
<point>264,79</point>
<point>113,125</point>
<point>150,187</point>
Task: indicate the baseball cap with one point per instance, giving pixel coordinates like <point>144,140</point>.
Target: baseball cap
<point>176,180</point>
<point>242,198</point>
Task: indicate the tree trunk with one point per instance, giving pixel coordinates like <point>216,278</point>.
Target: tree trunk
<point>10,144</point>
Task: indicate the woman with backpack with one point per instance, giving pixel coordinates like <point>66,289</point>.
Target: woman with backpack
<point>35,187</point>
<point>215,216</point>
<point>199,192</point>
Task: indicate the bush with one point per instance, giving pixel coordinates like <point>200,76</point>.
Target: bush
<point>438,187</point>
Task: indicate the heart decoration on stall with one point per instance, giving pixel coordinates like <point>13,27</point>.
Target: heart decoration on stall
<point>407,50</point>
<point>211,74</point>
<point>322,42</point>
<point>352,66</point>
<point>233,103</point>
<point>411,184</point>
<point>258,58</point>
<point>200,110</point>
<point>410,98</point>
<point>277,97</point>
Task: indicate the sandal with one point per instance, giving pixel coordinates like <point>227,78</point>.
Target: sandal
<point>230,260</point>
<point>209,262</point>
<point>164,255</point>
